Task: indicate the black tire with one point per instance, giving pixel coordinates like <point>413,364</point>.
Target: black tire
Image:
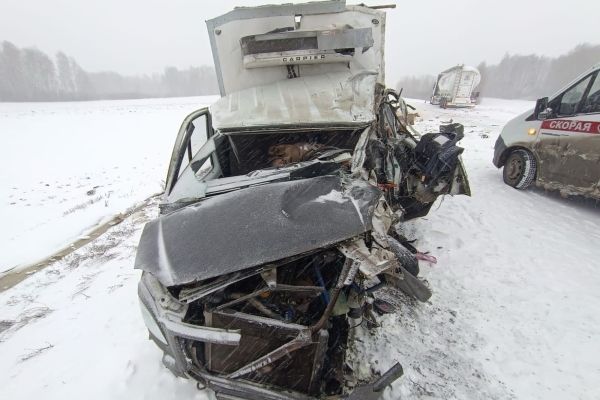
<point>405,257</point>
<point>519,169</point>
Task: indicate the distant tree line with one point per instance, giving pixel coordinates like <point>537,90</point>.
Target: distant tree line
<point>29,74</point>
<point>517,76</point>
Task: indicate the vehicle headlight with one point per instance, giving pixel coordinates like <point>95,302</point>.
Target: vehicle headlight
<point>151,323</point>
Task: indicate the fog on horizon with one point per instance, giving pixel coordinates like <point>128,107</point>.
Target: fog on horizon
<point>144,36</point>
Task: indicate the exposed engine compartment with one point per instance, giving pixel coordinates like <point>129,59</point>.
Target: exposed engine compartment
<point>292,317</point>
<point>286,300</point>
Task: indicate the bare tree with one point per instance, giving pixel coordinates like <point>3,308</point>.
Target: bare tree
<point>13,72</point>
<point>66,79</point>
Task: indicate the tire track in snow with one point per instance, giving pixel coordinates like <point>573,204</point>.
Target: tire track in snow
<point>12,277</point>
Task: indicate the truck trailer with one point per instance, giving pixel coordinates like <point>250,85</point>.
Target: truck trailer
<point>455,87</point>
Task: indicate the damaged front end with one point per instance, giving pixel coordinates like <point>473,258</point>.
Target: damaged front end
<point>275,332</point>
<point>262,309</point>
<point>253,316</point>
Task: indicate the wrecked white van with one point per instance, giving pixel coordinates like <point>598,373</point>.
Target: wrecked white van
<point>277,223</point>
<point>556,145</point>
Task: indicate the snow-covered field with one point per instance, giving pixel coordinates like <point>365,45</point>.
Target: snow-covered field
<point>67,167</point>
<point>515,306</point>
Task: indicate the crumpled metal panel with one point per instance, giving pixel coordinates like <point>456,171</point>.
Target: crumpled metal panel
<point>254,226</point>
<point>335,98</point>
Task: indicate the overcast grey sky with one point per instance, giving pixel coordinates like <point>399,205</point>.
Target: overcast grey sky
<point>423,36</point>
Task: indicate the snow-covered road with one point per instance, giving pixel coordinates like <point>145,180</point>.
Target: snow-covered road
<point>514,312</point>
<point>515,306</point>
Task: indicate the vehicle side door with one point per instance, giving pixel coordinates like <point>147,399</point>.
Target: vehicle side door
<point>568,144</point>
<point>185,165</point>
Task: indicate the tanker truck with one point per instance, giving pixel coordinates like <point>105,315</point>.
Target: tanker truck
<point>455,87</point>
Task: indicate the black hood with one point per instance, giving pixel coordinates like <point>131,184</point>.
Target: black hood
<point>253,226</point>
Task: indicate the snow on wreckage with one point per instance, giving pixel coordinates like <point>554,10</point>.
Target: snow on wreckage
<point>277,223</point>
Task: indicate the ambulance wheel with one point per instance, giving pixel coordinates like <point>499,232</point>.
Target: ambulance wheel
<point>519,169</point>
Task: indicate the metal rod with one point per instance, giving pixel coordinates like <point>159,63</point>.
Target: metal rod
<point>382,6</point>
<point>390,376</point>
<point>260,307</point>
<point>302,340</point>
<point>243,298</point>
<point>193,294</point>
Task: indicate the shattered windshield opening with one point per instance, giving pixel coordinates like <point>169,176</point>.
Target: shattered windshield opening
<point>234,160</point>
<point>246,154</point>
<point>259,151</point>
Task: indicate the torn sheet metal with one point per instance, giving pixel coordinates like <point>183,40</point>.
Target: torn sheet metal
<point>334,99</point>
<point>371,262</point>
<point>254,226</point>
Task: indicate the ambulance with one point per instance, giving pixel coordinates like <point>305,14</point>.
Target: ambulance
<point>556,145</point>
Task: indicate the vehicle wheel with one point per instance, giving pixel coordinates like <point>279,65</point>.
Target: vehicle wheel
<point>520,169</point>
<point>406,258</point>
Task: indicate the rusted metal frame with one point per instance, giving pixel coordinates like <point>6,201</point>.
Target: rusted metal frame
<point>304,337</point>
<point>302,340</point>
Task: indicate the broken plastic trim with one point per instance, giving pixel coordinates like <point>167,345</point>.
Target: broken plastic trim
<point>167,315</point>
<point>370,262</point>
